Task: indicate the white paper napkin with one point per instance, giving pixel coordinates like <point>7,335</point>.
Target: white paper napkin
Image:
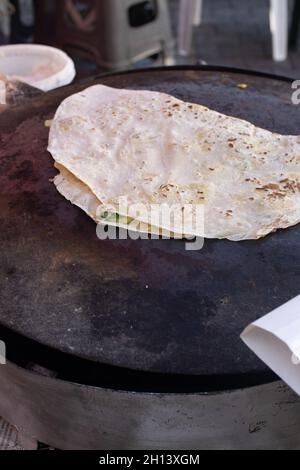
<point>275,339</point>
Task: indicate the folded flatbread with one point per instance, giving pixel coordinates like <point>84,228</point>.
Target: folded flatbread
<point>154,149</point>
<point>80,195</point>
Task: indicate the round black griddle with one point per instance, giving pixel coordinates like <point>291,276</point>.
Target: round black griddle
<point>137,305</point>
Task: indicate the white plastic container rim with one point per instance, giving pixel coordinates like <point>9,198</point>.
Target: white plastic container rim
<point>43,67</point>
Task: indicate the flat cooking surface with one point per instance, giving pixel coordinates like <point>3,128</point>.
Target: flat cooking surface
<point>147,305</point>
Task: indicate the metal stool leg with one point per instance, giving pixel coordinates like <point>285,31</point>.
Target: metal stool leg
<point>279,28</point>
<point>295,26</point>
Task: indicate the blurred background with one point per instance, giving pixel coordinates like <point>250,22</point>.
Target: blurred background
<point>104,35</point>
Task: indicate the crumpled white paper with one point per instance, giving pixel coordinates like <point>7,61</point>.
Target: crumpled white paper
<point>275,339</point>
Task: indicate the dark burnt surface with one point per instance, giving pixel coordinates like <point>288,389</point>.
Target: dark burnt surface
<point>146,305</point>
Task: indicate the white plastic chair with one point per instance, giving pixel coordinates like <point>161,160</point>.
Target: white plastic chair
<point>190,14</point>
<point>279,19</point>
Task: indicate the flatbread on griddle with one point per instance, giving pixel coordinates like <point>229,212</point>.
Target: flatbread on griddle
<point>155,149</point>
<point>80,195</point>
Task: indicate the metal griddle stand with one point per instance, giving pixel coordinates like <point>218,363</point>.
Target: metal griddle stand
<point>71,416</point>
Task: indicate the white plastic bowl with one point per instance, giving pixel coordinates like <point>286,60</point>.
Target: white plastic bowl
<point>43,67</point>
